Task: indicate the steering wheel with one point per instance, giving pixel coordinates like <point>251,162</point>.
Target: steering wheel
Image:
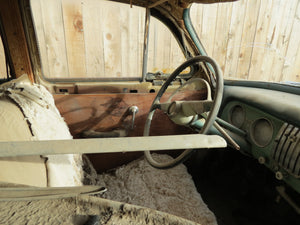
<point>214,106</point>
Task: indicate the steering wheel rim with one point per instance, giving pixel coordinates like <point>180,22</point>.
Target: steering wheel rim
<point>209,121</point>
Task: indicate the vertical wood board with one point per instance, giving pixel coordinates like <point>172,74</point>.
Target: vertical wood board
<point>93,39</point>
<point>53,29</point>
<point>221,34</point>
<point>234,39</point>
<point>290,70</point>
<point>260,45</point>
<point>74,37</point>
<point>250,39</point>
<point>2,61</point>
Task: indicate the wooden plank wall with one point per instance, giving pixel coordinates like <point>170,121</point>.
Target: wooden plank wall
<point>252,39</point>
<point>81,38</point>
<point>2,62</point>
<point>16,40</point>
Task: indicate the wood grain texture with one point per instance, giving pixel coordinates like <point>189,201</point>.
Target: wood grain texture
<point>2,61</point>
<point>251,39</point>
<point>291,68</point>
<point>74,37</point>
<point>222,27</point>
<point>85,38</point>
<point>208,29</point>
<point>273,54</point>
<point>234,39</point>
<point>12,23</point>
<point>260,45</point>
<point>260,38</point>
<point>248,36</point>
<point>93,37</point>
<point>284,33</point>
<point>52,32</point>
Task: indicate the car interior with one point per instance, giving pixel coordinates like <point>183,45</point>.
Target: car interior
<point>132,88</point>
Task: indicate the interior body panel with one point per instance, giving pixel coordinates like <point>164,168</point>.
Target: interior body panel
<point>140,68</point>
<point>270,120</point>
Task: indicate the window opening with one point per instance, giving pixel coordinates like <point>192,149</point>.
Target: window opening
<point>92,39</point>
<point>264,47</point>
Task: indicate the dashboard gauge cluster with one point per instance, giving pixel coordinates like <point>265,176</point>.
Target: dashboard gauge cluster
<point>260,127</point>
<point>261,132</point>
<point>237,116</point>
<point>273,142</point>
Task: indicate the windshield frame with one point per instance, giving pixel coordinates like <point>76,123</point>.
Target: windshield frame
<point>35,53</point>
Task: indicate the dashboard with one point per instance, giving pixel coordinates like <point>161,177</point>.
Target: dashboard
<point>269,122</point>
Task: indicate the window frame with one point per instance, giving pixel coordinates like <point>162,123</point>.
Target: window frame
<point>10,71</point>
<point>36,60</point>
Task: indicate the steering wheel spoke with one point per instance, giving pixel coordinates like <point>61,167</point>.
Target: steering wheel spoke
<point>189,108</point>
<point>184,112</point>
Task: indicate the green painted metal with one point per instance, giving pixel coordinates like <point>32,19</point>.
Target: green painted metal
<point>230,127</point>
<point>237,136</point>
<point>258,152</point>
<point>198,124</point>
<point>189,26</point>
<point>266,85</point>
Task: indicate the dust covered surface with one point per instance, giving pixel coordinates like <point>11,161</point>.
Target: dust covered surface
<point>79,210</point>
<point>112,212</point>
<point>36,108</point>
<point>172,190</point>
<point>37,212</point>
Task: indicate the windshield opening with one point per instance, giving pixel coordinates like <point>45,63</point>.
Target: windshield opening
<point>252,40</point>
<point>96,39</point>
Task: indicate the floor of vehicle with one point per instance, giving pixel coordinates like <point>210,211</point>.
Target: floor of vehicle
<point>239,190</point>
<point>170,190</point>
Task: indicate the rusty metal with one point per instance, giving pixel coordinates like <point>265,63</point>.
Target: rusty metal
<point>146,41</point>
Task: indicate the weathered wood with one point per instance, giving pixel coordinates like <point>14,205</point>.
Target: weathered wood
<point>164,52</point>
<point>255,40</point>
<point>261,39</point>
<point>93,36</point>
<point>12,23</point>
<point>290,69</point>
<point>284,29</point>
<point>2,61</point>
<point>295,74</point>
<point>55,45</point>
<point>74,36</point>
<point>209,20</point>
<point>41,38</point>
<point>112,41</point>
<point>260,45</point>
<point>196,14</point>
<point>221,40</point>
<point>234,39</point>
<point>248,36</point>
<point>273,55</point>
